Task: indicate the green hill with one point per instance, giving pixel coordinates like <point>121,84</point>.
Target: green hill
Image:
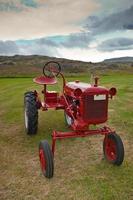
<point>32,65</point>
<point>120,60</point>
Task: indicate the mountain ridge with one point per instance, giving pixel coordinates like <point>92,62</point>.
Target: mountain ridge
<point>32,65</point>
<point>119,59</point>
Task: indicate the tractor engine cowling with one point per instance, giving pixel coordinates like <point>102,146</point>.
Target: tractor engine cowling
<point>95,105</point>
<point>91,101</point>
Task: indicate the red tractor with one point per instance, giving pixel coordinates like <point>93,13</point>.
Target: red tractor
<point>83,104</point>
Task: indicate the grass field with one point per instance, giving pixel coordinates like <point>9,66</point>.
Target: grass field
<point>81,173</point>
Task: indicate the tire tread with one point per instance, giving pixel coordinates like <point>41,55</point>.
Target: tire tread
<point>30,105</point>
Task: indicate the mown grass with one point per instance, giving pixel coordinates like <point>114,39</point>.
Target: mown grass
<point>81,173</point>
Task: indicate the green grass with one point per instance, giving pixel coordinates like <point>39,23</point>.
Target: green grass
<point>80,171</point>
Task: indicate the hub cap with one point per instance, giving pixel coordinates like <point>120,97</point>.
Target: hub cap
<point>110,149</point>
<point>42,160</point>
<point>69,120</point>
<point>26,119</point>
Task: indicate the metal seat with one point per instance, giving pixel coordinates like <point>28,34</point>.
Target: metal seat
<point>43,80</point>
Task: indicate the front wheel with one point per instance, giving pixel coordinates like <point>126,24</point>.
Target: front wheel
<point>113,149</point>
<point>68,119</point>
<point>46,159</point>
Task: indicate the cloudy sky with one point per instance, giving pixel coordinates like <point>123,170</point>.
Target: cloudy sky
<point>88,30</point>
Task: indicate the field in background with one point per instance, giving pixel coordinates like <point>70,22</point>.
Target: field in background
<point>81,173</point>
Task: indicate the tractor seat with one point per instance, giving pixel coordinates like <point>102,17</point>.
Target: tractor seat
<point>43,80</point>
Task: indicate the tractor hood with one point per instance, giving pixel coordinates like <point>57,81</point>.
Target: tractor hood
<point>78,88</point>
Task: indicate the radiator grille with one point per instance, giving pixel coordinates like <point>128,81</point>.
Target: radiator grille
<point>94,109</point>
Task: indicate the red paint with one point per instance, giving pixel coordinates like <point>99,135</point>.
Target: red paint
<point>42,160</point>
<point>86,104</point>
<point>42,80</point>
<point>74,134</point>
<point>110,149</point>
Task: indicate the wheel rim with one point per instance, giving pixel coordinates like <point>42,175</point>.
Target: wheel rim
<point>26,119</point>
<point>42,160</point>
<point>110,149</point>
<point>69,120</point>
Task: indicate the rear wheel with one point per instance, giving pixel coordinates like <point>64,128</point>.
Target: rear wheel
<point>113,149</point>
<point>30,113</point>
<point>46,159</point>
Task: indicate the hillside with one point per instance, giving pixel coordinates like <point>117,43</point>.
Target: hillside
<point>32,65</point>
<point>119,60</point>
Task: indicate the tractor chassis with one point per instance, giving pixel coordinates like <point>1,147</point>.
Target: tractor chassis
<point>77,134</point>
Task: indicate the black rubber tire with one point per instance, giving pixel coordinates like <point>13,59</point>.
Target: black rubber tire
<point>31,113</point>
<point>119,149</point>
<point>49,171</point>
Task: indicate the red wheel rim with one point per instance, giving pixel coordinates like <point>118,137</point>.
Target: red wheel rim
<point>110,149</point>
<point>42,159</point>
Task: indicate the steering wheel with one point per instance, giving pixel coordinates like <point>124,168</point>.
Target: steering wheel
<point>51,69</point>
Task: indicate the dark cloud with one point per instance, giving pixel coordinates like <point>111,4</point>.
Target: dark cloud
<point>46,42</point>
<point>8,48</point>
<point>29,3</point>
<point>113,5</point>
<point>116,44</point>
<point>128,26</point>
<point>17,6</point>
<point>38,49</point>
<point>77,40</point>
<point>118,21</point>
<point>9,6</point>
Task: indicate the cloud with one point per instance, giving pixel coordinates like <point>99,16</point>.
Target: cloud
<point>9,5</point>
<point>77,40</point>
<point>49,18</point>
<point>122,20</point>
<point>58,25</point>
<point>38,48</point>
<point>116,44</point>
<point>44,46</point>
<point>129,26</point>
<point>8,48</point>
<point>17,6</point>
<point>52,46</point>
<point>46,42</point>
<point>111,6</point>
<point>29,3</point>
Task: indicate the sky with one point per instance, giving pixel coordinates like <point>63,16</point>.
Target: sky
<point>86,30</point>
